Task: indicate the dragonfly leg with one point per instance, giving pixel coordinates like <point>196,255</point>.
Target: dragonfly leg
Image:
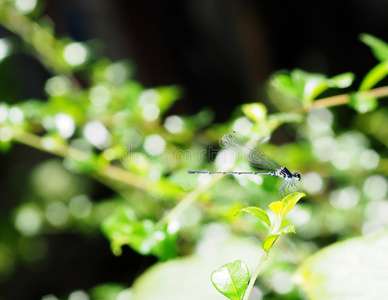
<point>281,190</point>
<point>295,186</point>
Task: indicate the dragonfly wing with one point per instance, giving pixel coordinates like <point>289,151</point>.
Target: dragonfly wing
<point>248,150</point>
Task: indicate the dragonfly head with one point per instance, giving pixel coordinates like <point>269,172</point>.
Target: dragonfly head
<point>296,175</point>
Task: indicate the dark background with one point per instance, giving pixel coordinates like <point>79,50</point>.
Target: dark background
<point>220,51</point>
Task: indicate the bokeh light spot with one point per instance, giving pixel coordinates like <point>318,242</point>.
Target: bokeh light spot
<point>100,95</point>
<point>16,115</point>
<point>80,206</point>
<point>369,159</point>
<point>97,134</point>
<point>5,48</point>
<point>58,86</point>
<point>345,199</point>
<point>75,54</point>
<point>25,6</point>
<point>154,144</point>
<point>243,125</point>
<point>375,187</point>
<point>57,214</point>
<point>150,112</point>
<point>79,295</point>
<point>65,125</point>
<point>312,182</point>
<point>174,124</point>
<point>28,220</point>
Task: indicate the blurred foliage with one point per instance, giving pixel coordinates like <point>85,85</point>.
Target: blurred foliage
<point>100,122</point>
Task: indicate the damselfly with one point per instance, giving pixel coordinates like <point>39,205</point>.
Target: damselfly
<point>252,153</point>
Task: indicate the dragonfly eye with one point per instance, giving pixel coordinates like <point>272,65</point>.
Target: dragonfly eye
<point>296,176</point>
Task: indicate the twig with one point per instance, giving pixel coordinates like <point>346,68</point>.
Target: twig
<point>252,281</point>
<point>64,150</point>
<point>343,99</point>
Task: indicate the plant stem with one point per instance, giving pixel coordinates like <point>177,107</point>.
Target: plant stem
<point>343,99</point>
<point>64,150</point>
<point>254,276</point>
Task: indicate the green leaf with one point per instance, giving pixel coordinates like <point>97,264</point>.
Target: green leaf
<point>257,212</point>
<point>167,96</point>
<point>353,269</point>
<point>282,207</point>
<point>288,229</point>
<point>269,241</point>
<point>257,112</point>
<point>231,280</point>
<point>144,236</point>
<point>308,86</point>
<point>362,102</point>
<point>378,47</point>
<point>284,84</point>
<point>289,202</point>
<point>374,76</point>
<point>341,81</point>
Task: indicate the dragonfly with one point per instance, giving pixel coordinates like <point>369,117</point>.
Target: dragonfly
<point>258,159</point>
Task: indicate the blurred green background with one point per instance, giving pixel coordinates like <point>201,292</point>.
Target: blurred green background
<point>105,106</point>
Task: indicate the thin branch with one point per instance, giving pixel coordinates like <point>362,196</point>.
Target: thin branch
<point>252,281</point>
<point>380,92</point>
<point>64,150</point>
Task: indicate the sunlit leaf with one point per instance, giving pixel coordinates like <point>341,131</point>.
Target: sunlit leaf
<point>255,111</point>
<point>257,212</point>
<point>144,236</point>
<point>362,102</point>
<point>284,84</point>
<point>167,96</point>
<point>353,269</point>
<point>378,46</point>
<point>341,81</point>
<point>289,202</point>
<point>276,207</point>
<point>269,241</point>
<point>288,229</point>
<point>231,279</point>
<point>374,76</point>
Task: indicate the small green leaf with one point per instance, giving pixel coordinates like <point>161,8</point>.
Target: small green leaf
<point>341,81</point>
<point>288,229</point>
<point>269,241</point>
<point>257,112</point>
<point>378,47</point>
<point>362,103</point>
<point>144,236</point>
<point>231,280</point>
<point>289,202</point>
<point>374,76</point>
<point>257,212</point>
<point>284,84</point>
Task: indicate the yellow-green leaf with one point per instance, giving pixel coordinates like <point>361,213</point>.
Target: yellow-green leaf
<point>257,112</point>
<point>257,212</point>
<point>288,229</point>
<point>290,201</point>
<point>276,207</point>
<point>269,241</point>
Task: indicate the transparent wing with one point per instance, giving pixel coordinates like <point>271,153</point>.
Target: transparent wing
<point>249,151</point>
